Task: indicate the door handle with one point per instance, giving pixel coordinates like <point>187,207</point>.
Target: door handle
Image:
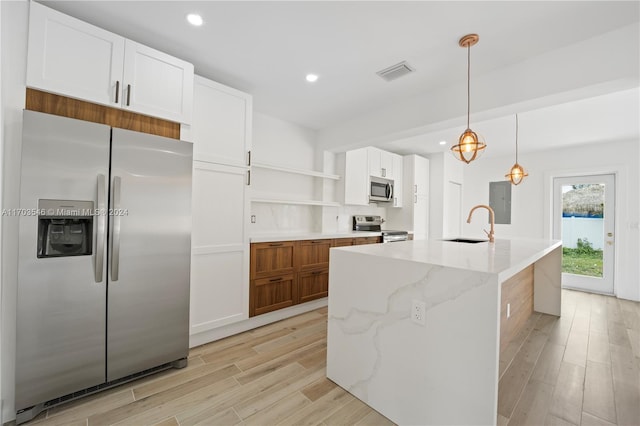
<point>115,241</point>
<point>117,90</point>
<point>101,218</point>
<point>128,94</point>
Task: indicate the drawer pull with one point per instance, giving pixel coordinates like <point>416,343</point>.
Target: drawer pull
<point>316,272</point>
<point>275,244</point>
<point>316,242</point>
<point>273,280</point>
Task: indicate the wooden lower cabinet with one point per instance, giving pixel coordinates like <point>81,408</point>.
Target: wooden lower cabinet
<point>313,285</point>
<point>285,273</point>
<point>368,240</point>
<point>269,259</point>
<point>272,293</point>
<point>312,254</point>
<point>343,242</point>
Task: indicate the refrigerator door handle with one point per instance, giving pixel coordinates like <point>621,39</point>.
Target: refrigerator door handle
<point>101,217</point>
<point>115,242</point>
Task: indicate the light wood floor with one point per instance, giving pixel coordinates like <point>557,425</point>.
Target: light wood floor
<point>581,369</point>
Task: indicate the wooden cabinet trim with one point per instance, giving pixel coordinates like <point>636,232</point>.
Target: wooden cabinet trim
<point>50,103</point>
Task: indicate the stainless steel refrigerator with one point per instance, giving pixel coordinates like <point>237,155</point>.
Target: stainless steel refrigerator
<point>104,254</point>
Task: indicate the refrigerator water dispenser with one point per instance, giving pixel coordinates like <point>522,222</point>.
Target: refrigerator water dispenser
<point>65,228</point>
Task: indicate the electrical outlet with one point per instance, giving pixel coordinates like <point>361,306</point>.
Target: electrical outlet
<point>508,310</point>
<point>418,312</point>
<point>253,218</point>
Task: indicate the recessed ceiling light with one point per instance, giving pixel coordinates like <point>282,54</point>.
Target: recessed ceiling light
<point>195,19</point>
<point>311,78</point>
<point>443,142</point>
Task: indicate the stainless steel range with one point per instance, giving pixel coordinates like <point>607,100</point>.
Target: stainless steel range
<point>374,224</point>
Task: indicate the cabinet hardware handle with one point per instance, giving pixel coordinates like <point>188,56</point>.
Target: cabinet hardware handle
<point>273,280</point>
<point>128,94</point>
<point>315,242</point>
<point>248,177</point>
<point>275,245</point>
<point>316,272</point>
<point>249,158</point>
<point>415,199</point>
<point>117,90</point>
<point>415,189</point>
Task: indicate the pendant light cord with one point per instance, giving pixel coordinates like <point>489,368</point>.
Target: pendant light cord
<point>516,138</point>
<point>468,83</point>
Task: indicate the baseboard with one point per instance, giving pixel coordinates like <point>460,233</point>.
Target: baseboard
<point>254,322</point>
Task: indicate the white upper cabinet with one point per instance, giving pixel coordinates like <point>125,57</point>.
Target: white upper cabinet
<point>397,179</point>
<point>356,177</point>
<point>157,84</point>
<point>361,164</point>
<point>221,130</point>
<point>75,59</point>
<point>380,163</point>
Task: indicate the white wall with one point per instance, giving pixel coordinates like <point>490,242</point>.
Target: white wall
<point>14,56</point>
<point>531,202</point>
<point>282,143</point>
<point>445,174</point>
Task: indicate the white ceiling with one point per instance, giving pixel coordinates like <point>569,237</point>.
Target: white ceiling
<point>265,48</point>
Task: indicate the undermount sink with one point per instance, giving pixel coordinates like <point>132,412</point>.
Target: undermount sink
<point>466,240</point>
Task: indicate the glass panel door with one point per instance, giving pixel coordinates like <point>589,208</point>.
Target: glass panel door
<point>584,220</point>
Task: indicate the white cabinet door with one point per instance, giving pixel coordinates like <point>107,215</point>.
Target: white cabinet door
<point>221,129</point>
<point>157,84</point>
<point>398,180</point>
<point>387,163</point>
<point>420,197</point>
<point>356,177</point>
<point>421,176</point>
<point>220,248</point>
<point>73,58</point>
<point>374,158</point>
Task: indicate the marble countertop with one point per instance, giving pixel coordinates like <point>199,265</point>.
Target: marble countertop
<point>263,238</point>
<point>503,257</point>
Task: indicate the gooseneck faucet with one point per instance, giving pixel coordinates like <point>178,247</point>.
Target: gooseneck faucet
<point>491,219</point>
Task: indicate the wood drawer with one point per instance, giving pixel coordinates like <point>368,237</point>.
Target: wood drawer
<point>368,240</point>
<point>313,284</point>
<point>343,242</point>
<point>312,254</point>
<point>272,293</point>
<point>274,258</point>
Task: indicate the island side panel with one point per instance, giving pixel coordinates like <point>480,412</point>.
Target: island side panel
<point>547,283</point>
<point>445,372</point>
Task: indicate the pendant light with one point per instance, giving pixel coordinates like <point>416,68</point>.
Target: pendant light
<point>517,173</point>
<point>469,147</point>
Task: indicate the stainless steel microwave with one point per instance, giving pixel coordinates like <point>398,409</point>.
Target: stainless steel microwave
<point>380,189</point>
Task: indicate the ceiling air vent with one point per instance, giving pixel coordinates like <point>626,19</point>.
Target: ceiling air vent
<point>396,71</point>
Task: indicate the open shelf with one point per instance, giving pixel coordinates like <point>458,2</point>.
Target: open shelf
<point>295,171</point>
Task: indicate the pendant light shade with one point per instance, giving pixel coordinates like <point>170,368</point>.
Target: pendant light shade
<point>469,146</point>
<point>517,172</point>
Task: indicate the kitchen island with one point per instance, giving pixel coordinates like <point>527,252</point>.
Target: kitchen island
<point>444,371</point>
